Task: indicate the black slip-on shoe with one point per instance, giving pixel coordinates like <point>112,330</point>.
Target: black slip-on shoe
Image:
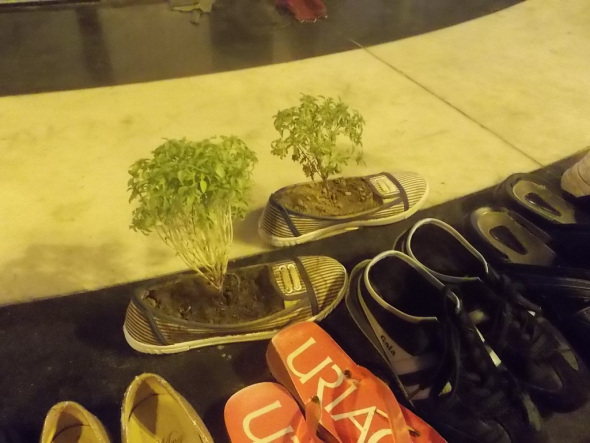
<point>532,348</point>
<point>528,254</point>
<point>545,205</point>
<point>434,355</point>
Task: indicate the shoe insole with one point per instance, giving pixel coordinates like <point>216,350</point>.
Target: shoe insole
<point>76,434</point>
<point>157,419</point>
<point>545,202</point>
<point>401,286</point>
<point>442,252</point>
<point>511,239</point>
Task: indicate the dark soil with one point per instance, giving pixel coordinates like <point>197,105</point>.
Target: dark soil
<point>247,295</point>
<point>345,196</point>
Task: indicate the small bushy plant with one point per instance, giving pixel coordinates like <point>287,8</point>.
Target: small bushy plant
<point>189,193</point>
<point>310,132</point>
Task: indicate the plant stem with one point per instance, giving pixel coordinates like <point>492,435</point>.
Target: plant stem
<point>205,248</point>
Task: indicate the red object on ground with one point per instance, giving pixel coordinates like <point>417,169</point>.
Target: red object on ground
<point>355,405</point>
<point>305,10</point>
<point>266,412</point>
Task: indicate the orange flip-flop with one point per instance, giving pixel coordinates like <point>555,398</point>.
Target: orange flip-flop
<point>356,405</point>
<point>266,412</point>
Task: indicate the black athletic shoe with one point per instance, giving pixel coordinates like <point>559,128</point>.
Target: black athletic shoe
<point>436,356</point>
<point>532,348</point>
<point>544,204</point>
<point>529,255</point>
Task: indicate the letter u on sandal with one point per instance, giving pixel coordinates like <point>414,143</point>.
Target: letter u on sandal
<point>265,413</point>
<point>356,405</point>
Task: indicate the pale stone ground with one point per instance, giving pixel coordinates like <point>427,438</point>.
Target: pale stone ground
<point>465,106</point>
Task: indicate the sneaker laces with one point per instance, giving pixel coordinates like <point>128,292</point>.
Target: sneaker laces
<point>467,362</point>
<point>513,322</point>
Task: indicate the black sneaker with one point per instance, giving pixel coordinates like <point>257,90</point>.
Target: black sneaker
<point>532,348</point>
<point>435,354</point>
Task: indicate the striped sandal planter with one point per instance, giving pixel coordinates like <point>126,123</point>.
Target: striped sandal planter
<point>399,195</point>
<point>309,288</point>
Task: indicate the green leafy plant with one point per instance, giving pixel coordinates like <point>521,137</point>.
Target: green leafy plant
<point>310,132</point>
<point>189,193</point>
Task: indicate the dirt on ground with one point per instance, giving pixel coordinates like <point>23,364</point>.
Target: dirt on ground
<point>247,295</point>
<point>342,197</point>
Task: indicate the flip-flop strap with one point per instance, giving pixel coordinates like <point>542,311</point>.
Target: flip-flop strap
<point>397,422</point>
<point>313,414</point>
<point>402,191</point>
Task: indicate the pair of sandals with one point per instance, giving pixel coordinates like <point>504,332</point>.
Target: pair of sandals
<point>322,396</point>
<point>541,237</point>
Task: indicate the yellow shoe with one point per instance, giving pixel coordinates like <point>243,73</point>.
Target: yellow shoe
<point>154,412</point>
<point>69,422</point>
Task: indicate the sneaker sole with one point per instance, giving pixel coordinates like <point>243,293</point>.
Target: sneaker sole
<point>225,339</point>
<point>341,227</point>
